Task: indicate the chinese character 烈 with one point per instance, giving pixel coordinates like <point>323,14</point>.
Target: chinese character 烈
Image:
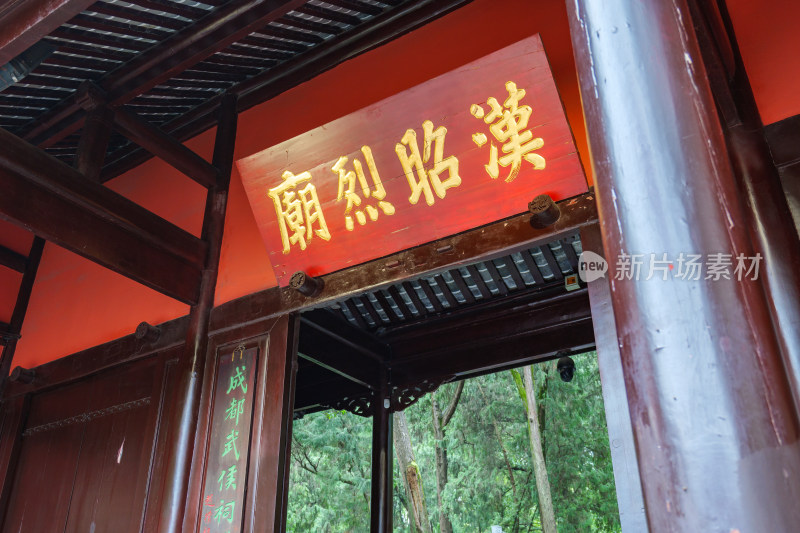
<point>298,211</point>
<point>427,179</point>
<point>347,190</point>
<point>508,125</point>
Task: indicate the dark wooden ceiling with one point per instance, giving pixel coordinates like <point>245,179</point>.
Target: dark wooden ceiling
<point>169,61</point>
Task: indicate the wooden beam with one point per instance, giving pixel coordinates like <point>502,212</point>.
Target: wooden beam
<point>162,145</point>
<point>26,22</point>
<point>509,334</point>
<point>337,346</point>
<point>13,260</point>
<point>57,203</point>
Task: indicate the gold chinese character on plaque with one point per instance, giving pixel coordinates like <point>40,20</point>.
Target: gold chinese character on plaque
<point>427,181</point>
<point>508,125</point>
<point>347,190</point>
<point>298,210</point>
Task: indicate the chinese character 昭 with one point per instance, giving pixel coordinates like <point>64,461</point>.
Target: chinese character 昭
<point>298,211</point>
<point>227,478</point>
<point>230,444</point>
<point>755,261</point>
<point>507,125</point>
<point>347,189</point>
<point>225,512</point>
<point>238,381</point>
<point>235,409</point>
<point>416,162</point>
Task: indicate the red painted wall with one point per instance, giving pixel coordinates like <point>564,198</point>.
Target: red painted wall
<point>769,41</point>
<point>76,304</point>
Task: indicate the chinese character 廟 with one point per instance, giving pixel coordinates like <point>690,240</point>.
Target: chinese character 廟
<point>427,179</point>
<point>508,125</point>
<point>347,189</point>
<point>298,211</point>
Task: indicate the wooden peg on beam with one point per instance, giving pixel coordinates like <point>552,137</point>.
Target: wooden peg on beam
<point>305,284</point>
<point>22,375</point>
<point>544,211</point>
<point>147,332</point>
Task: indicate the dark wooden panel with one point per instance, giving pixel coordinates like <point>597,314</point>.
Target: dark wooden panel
<point>44,481</point>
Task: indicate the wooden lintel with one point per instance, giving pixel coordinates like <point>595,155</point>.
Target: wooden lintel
<point>162,145</point>
<point>479,244</point>
<point>57,203</point>
<point>13,260</point>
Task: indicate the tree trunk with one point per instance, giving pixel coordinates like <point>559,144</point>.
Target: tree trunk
<point>439,423</point>
<point>418,515</point>
<point>539,467</point>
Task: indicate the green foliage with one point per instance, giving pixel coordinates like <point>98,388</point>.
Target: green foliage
<point>490,476</point>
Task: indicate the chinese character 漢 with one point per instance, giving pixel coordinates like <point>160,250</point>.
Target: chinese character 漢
<point>416,163</point>
<point>347,189</point>
<point>507,125</point>
<point>230,444</point>
<point>238,380</point>
<point>298,211</point>
<point>227,478</point>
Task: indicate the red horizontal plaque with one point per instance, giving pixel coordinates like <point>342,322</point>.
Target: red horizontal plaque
<point>462,150</point>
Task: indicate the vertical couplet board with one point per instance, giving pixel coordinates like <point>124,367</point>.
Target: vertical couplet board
<point>229,442</point>
<point>465,149</point>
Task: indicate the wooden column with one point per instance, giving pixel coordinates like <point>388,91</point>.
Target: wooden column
<point>382,459</point>
<point>615,400</point>
<point>183,426</point>
<point>20,308</point>
<point>770,222</point>
<point>715,424</point>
